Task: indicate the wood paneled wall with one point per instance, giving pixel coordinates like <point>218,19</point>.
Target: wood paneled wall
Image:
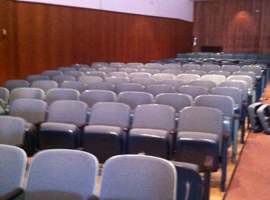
<point>237,26</point>
<point>50,36</point>
<point>8,43</point>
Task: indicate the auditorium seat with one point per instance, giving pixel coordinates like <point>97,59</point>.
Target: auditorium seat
<point>13,165</point>
<point>156,89</point>
<point>201,136</point>
<point>35,77</point>
<point>138,177</point>
<point>44,84</point>
<point>15,83</point>
<point>61,174</point>
<point>135,98</point>
<point>62,94</point>
<point>193,91</point>
<point>63,126</point>
<point>152,130</point>
<point>90,97</point>
<point>77,85</point>
<point>26,93</point>
<point>106,130</point>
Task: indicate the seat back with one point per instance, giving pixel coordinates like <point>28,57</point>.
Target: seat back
<point>204,83</point>
<point>122,87</point>
<point>60,78</point>
<point>4,94</point>
<point>61,174</point>
<point>177,101</point>
<point>233,92</point>
<point>12,84</point>
<point>193,91</point>
<point>13,164</point>
<point>12,130</point>
<point>52,73</point>
<point>110,113</point>
<point>133,98</point>
<point>230,68</point>
<point>140,75</point>
<point>217,79</point>
<point>62,94</point>
<point>88,80</point>
<point>26,93</point>
<point>143,81</point>
<point>36,77</point>
<point>156,89</point>
<point>68,111</point>
<point>154,116</point>
<point>93,96</point>
<point>210,67</point>
<point>201,119</point>
<point>44,84</point>
<point>101,86</point>
<point>138,177</point>
<point>32,110</point>
<point>77,85</point>
<point>187,78</point>
<point>223,103</point>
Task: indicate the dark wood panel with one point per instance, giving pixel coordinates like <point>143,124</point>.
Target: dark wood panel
<point>8,49</point>
<point>237,26</point>
<point>51,36</point>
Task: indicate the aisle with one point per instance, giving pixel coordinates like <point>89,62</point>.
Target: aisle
<point>252,176</point>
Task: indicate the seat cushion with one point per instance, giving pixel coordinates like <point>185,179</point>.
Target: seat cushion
<point>103,141</point>
<point>194,147</point>
<point>58,135</point>
<point>151,142</point>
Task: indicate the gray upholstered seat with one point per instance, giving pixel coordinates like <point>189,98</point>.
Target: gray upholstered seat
<point>61,174</point>
<point>60,78</point>
<point>13,165</point>
<point>34,112</point>
<point>26,93</point>
<point>138,177</point>
<point>62,94</point>
<point>12,130</point>
<point>231,120</point>
<point>204,83</point>
<point>217,79</point>
<point>156,89</point>
<point>200,135</point>
<point>122,87</point>
<point>77,85</point>
<point>12,84</point>
<point>106,130</point>
<point>63,126</point>
<point>134,98</point>
<point>88,80</point>
<point>151,130</point>
<point>193,91</point>
<point>176,100</point>
<point>52,73</point>
<point>187,78</point>
<point>45,85</point>
<point>93,96</point>
<point>35,77</point>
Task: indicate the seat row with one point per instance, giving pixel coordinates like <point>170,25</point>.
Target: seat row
<point>153,131</point>
<point>72,174</point>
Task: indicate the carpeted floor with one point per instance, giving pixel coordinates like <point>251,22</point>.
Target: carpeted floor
<point>251,180</point>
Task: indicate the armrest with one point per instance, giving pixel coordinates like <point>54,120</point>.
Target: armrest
<point>236,116</point>
<point>226,135</point>
<point>208,163</point>
<point>93,197</point>
<point>15,193</point>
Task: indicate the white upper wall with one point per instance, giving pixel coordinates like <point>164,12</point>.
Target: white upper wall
<point>178,9</point>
